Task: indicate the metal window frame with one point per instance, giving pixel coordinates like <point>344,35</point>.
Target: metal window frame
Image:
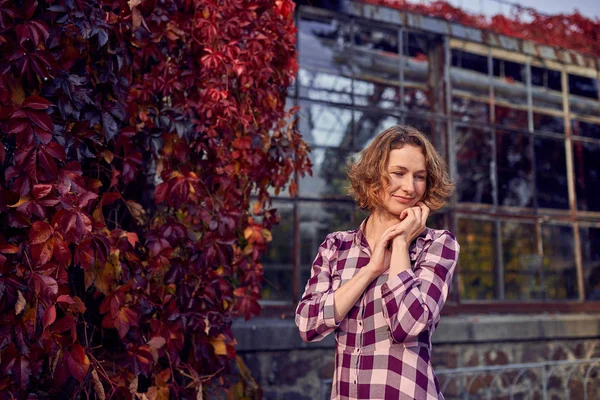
<point>454,209</point>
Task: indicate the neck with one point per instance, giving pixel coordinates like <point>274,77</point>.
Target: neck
<point>378,222</point>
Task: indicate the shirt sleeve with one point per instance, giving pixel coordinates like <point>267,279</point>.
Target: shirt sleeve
<point>315,316</point>
<point>412,300</point>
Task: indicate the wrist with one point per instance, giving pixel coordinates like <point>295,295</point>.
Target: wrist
<point>400,243</point>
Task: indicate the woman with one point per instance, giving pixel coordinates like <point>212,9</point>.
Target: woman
<point>380,288</point>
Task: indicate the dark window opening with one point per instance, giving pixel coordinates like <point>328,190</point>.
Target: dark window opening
<point>508,70</point>
<point>470,61</point>
<point>583,86</point>
<point>546,78</point>
<point>588,129</point>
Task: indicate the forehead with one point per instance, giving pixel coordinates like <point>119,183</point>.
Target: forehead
<point>408,156</point>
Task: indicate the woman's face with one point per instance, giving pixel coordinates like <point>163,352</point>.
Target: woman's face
<point>408,179</point>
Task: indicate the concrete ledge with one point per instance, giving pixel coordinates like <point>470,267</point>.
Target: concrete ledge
<point>273,334</point>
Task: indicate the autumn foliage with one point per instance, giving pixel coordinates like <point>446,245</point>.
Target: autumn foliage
<point>568,31</point>
<point>140,143</point>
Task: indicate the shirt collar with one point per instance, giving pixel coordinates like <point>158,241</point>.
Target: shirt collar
<point>415,248</point>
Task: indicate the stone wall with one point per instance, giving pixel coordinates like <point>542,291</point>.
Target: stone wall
<point>286,368</point>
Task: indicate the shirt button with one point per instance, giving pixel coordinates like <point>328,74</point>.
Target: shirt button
<point>360,324</point>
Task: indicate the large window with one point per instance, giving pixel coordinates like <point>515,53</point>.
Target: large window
<point>526,162</point>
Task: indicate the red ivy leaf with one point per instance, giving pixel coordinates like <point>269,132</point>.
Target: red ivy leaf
<point>40,232</point>
<point>40,191</point>
<point>78,362</point>
<point>49,316</point>
<point>21,372</point>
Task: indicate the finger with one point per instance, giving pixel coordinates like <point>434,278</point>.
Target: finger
<point>410,214</point>
<point>402,215</point>
<point>425,214</point>
<point>418,212</point>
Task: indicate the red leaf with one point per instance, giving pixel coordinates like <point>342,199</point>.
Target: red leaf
<point>110,197</point>
<point>65,298</point>
<point>56,151</point>
<point>62,254</point>
<point>132,238</point>
<point>63,324</point>
<point>160,192</point>
<point>40,232</point>
<point>42,253</point>
<point>36,103</point>
<point>21,372</point>
<point>78,362</point>
<point>46,286</point>
<point>49,316</point>
<point>48,166</point>
<point>41,119</point>
<point>70,179</point>
<point>125,318</point>
<point>40,191</point>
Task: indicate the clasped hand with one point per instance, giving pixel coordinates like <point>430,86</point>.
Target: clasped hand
<point>399,237</point>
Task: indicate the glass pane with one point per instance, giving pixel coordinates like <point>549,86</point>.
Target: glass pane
<point>512,118</point>
<point>323,86</point>
<point>590,252</point>
<point>547,88</point>
<point>510,71</point>
<point>477,257</point>
<point>548,123</point>
<point>329,174</point>
<point>324,59</point>
<point>437,220</point>
<point>319,219</point>
<point>416,99</point>
<point>522,264</point>
<point>376,66</point>
<point>325,125</point>
<point>367,125</point>
<point>417,47</point>
<point>467,110</point>
<point>560,274</point>
<point>470,61</point>
<point>474,165</point>
<point>583,86</point>
<point>515,169</point>
<point>278,262</point>
<point>428,126</point>
<point>587,175</point>
<point>588,129</point>
<point>551,173</point>
<point>376,94</point>
<point>323,45</point>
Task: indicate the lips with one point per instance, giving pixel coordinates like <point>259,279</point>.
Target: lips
<point>403,200</point>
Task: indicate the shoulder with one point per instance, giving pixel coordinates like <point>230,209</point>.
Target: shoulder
<point>340,240</point>
<point>442,242</point>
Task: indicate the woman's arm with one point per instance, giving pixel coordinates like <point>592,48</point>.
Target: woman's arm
<point>315,315</point>
<point>412,300</point>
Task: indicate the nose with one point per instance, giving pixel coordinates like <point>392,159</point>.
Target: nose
<point>408,185</point>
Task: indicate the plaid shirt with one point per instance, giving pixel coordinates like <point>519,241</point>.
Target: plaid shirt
<point>383,344</point>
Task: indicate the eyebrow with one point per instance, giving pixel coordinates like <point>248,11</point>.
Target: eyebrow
<point>406,169</point>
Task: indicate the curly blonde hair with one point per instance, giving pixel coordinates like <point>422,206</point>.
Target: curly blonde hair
<point>368,176</point>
